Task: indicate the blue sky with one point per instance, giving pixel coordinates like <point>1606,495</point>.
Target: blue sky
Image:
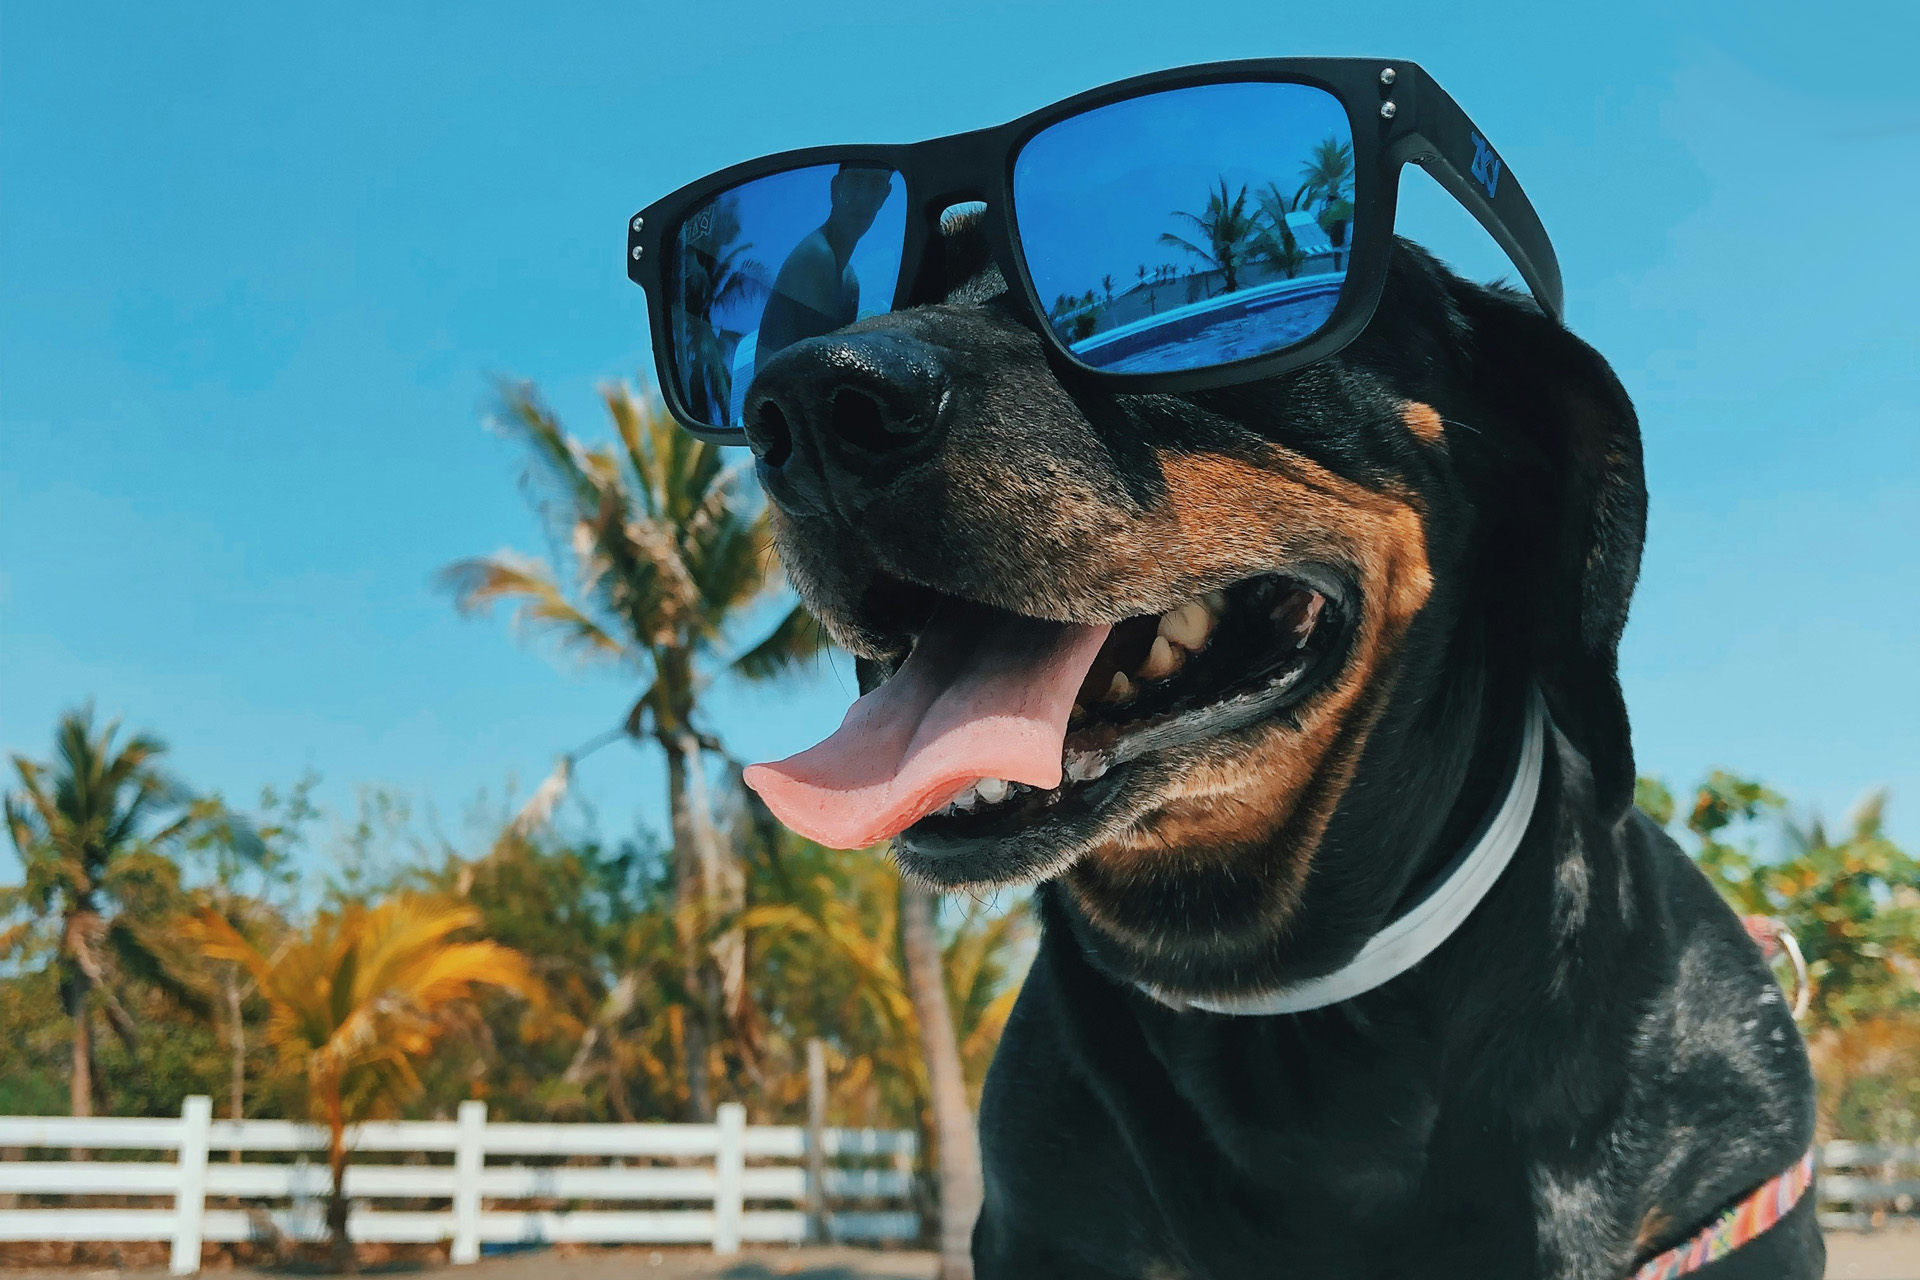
<point>259,263</point>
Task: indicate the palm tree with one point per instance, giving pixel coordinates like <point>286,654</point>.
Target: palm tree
<point>1275,244</point>
<point>959,1148</point>
<point>669,554</point>
<point>713,276</point>
<point>1227,230</point>
<point>1327,175</point>
<point>937,1009</point>
<point>1328,178</point>
<point>358,1001</point>
<point>98,871</point>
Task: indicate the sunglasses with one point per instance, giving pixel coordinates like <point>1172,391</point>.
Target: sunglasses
<point>1173,232</point>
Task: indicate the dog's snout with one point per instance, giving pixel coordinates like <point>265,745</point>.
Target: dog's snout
<point>839,401</point>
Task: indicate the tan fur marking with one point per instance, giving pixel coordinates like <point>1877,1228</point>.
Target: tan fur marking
<point>1652,1228</point>
<point>1281,509</point>
<point>1424,421</point>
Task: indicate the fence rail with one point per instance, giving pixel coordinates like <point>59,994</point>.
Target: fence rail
<point>707,1196</point>
<point>714,1196</point>
<point>1861,1183</point>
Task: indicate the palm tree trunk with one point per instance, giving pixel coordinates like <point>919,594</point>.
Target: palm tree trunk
<point>722,894</point>
<point>80,1086</point>
<point>344,1260</point>
<point>687,903</point>
<point>80,1082</point>
<point>237,1035</point>
<point>958,1145</point>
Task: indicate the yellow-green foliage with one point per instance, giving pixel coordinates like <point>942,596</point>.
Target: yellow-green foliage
<point>1854,906</point>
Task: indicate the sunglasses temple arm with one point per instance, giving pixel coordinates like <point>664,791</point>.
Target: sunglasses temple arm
<point>1448,145</point>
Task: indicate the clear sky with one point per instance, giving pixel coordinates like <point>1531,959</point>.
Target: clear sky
<point>258,264</point>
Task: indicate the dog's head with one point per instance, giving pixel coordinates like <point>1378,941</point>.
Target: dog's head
<point>1327,595</point>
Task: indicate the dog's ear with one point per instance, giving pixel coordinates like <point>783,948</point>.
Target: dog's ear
<point>1573,481</point>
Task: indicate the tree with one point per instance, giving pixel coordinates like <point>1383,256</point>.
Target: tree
<point>230,850</point>
<point>715,274</point>
<point>899,998</point>
<point>954,1131</point>
<point>1227,230</point>
<point>1275,243</point>
<point>1853,905</point>
<point>1327,175</point>
<point>93,831</point>
<point>669,556</point>
<point>357,1001</point>
<point>1328,178</point>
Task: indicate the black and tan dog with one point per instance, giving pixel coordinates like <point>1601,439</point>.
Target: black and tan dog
<point>1332,595</point>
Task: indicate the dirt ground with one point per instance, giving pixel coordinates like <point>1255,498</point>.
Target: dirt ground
<point>1893,1254</point>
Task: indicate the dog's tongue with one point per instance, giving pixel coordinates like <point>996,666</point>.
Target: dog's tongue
<point>985,694</point>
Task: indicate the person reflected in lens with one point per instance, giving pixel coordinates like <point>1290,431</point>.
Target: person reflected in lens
<point>817,291</point>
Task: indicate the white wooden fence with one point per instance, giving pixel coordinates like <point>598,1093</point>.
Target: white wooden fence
<point>1861,1183</point>
<point>717,1183</point>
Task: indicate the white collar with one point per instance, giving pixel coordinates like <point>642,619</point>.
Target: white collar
<point>1414,935</point>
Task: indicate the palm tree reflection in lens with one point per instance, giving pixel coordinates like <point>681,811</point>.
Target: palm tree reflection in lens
<point>1229,234</point>
<point>712,280</point>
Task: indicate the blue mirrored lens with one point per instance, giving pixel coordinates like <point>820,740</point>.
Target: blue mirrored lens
<point>1189,228</point>
<point>773,261</point>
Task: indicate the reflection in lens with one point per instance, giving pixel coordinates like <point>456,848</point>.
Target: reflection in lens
<point>774,261</point>
<point>1189,228</point>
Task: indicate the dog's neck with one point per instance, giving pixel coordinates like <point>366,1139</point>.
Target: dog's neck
<point>1419,928</point>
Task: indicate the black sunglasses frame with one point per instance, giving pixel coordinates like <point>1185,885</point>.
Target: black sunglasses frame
<point>1398,114</point>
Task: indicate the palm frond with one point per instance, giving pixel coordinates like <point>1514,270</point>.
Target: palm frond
<point>797,637</point>
<point>139,956</point>
<point>478,583</point>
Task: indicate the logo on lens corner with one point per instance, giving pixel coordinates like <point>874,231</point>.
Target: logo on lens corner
<point>1486,165</point>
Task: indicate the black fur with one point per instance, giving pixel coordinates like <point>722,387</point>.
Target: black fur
<point>1590,1070</point>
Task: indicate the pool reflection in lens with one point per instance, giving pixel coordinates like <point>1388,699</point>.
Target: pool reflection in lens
<point>1189,228</point>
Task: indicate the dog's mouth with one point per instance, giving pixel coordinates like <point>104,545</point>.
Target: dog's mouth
<point>997,721</point>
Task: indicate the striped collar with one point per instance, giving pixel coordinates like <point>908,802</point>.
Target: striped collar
<point>1414,934</point>
<point>1752,1216</point>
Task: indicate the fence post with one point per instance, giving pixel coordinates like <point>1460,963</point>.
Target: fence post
<point>190,1194</point>
<point>469,1158</point>
<point>730,1168</point>
<point>819,1222</point>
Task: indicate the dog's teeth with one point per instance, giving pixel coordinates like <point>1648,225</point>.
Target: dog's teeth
<point>1188,626</point>
<point>966,799</point>
<point>1216,602</point>
<point>1299,613</point>
<point>991,790</point>
<point>1120,689</point>
<point>1084,766</point>
<point>1162,660</point>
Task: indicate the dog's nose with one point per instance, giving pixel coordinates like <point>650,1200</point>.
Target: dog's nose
<point>839,404</point>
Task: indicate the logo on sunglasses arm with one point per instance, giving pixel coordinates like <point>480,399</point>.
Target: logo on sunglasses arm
<point>1486,165</point>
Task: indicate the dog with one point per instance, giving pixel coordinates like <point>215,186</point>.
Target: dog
<point>1334,596</point>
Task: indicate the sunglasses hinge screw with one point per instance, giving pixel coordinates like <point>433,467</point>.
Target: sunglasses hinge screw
<point>1388,111</point>
<point>1387,76</point>
<point>637,251</point>
<point>639,223</point>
